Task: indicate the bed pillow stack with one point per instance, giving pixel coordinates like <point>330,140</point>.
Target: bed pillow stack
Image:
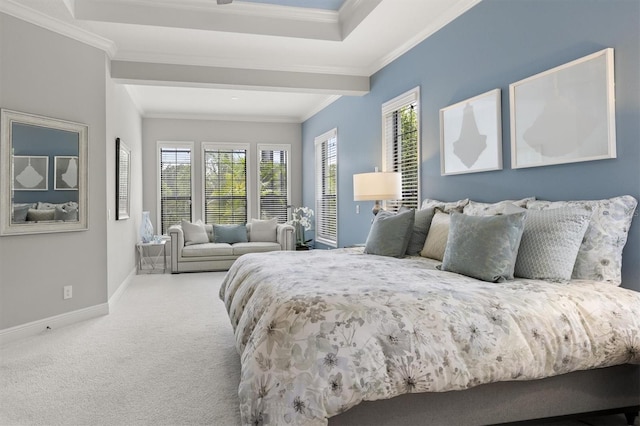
<point>600,255</point>
<point>560,240</point>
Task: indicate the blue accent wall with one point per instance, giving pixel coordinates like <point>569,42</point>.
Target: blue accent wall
<point>493,44</point>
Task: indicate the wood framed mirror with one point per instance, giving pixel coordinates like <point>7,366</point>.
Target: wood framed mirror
<point>44,174</point>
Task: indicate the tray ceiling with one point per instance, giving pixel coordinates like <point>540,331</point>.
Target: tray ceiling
<point>259,60</point>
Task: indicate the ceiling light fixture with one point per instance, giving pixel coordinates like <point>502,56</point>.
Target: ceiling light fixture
<point>224,1</point>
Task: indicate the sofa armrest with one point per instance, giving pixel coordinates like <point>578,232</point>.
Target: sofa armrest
<point>177,243</point>
<point>286,236</point>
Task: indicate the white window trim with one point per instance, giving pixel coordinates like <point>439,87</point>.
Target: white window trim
<point>227,145</point>
<point>273,147</point>
<point>179,145</point>
<point>395,104</point>
<point>333,133</point>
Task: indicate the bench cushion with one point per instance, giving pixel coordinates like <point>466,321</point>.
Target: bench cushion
<point>207,249</point>
<point>254,247</point>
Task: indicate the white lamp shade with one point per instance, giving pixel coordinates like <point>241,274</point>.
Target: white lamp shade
<point>377,186</point>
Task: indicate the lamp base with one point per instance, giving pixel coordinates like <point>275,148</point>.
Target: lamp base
<point>376,208</point>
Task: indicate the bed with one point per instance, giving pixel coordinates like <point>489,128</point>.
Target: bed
<point>320,333</point>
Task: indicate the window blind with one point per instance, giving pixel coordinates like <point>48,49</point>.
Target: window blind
<point>225,185</point>
<point>175,186</point>
<point>326,192</point>
<point>401,143</point>
<point>273,172</point>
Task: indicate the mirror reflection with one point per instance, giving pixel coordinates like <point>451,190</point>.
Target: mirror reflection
<point>44,174</point>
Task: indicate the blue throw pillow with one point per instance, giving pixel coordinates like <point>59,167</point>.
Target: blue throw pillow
<point>230,234</point>
<point>483,247</point>
<point>390,233</point>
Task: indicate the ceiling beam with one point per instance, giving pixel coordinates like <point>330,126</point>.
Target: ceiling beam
<point>128,72</point>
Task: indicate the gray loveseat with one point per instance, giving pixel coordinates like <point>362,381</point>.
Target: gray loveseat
<point>211,256</point>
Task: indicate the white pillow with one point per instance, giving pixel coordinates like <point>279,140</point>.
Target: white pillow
<point>436,242</point>
<point>194,233</point>
<point>264,230</point>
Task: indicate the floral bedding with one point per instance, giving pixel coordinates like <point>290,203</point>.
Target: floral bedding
<point>318,332</point>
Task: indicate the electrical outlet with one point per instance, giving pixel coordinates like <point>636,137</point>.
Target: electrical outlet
<point>357,208</point>
<point>68,292</point>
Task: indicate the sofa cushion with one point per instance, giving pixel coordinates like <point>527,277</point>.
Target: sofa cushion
<point>194,233</point>
<point>230,233</point>
<point>263,230</point>
<point>207,250</point>
<point>254,247</point>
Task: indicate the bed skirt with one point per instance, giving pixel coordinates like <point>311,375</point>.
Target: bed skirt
<point>612,388</point>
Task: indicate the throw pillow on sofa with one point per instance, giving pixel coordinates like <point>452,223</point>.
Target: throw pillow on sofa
<point>264,230</point>
<point>230,234</point>
<point>194,233</point>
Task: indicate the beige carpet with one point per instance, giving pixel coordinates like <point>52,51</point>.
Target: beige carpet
<point>164,356</point>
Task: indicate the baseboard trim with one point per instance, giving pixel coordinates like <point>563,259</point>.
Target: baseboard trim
<point>115,298</point>
<point>36,327</point>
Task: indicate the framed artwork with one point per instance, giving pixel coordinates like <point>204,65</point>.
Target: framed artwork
<point>565,114</point>
<point>30,173</point>
<point>471,135</point>
<point>66,173</point>
<point>123,182</point>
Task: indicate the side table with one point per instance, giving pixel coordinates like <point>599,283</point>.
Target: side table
<point>150,255</point>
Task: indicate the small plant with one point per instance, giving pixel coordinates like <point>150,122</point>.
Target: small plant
<point>301,219</point>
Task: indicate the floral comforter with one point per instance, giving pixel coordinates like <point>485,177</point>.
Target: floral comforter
<point>318,332</point>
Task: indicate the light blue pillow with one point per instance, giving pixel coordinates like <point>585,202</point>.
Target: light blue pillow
<point>483,247</point>
<point>550,243</point>
<point>230,234</point>
<point>390,233</point>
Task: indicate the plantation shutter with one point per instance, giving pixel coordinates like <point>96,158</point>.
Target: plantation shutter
<point>175,186</point>
<point>401,146</point>
<point>273,172</point>
<point>225,185</point>
<point>326,147</point>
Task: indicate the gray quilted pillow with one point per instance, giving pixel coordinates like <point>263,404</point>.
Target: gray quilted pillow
<point>483,247</point>
<point>550,243</point>
<point>600,254</point>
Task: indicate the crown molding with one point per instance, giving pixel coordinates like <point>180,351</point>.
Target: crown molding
<point>461,7</point>
<point>319,107</point>
<point>17,10</point>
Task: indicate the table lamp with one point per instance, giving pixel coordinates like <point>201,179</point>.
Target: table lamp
<point>377,186</point>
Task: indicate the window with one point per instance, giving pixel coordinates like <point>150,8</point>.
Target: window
<point>401,146</point>
<point>175,183</point>
<point>225,183</point>
<point>273,181</point>
<point>327,188</point>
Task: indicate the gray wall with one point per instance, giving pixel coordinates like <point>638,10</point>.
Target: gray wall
<point>495,43</point>
<point>124,122</point>
<point>48,74</point>
<point>198,131</point>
